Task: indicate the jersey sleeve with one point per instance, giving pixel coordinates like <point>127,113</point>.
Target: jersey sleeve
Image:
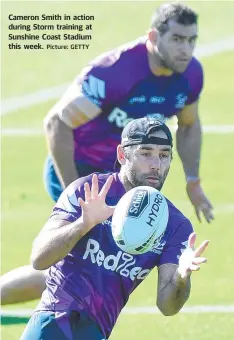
<point>177,244</point>
<point>98,86</point>
<point>67,207</point>
<point>94,89</point>
<point>196,80</point>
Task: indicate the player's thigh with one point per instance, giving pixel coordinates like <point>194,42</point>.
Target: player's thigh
<point>69,325</point>
<point>84,328</point>
<point>51,181</point>
<point>43,326</point>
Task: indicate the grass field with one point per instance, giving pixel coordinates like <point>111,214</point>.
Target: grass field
<point>26,206</point>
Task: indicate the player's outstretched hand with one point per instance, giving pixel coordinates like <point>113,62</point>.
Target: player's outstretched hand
<point>94,208</point>
<point>190,260</point>
<point>200,201</point>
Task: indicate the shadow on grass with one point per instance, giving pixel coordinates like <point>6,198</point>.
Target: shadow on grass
<point>13,320</point>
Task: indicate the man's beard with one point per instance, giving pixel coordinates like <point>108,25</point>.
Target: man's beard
<point>164,59</point>
<point>136,180</point>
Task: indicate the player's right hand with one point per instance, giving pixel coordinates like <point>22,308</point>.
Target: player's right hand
<point>94,208</point>
<point>199,201</point>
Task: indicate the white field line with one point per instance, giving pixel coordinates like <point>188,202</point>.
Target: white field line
<point>16,103</point>
<point>224,208</point>
<point>28,100</point>
<point>27,132</point>
<point>24,313</point>
<point>21,132</point>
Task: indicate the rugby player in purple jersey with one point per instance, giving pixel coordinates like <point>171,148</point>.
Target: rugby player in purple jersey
<point>155,76</point>
<point>90,279</point>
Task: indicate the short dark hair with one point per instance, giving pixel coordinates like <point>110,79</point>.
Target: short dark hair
<point>181,13</point>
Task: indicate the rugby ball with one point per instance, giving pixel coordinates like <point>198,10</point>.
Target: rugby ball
<point>139,220</point>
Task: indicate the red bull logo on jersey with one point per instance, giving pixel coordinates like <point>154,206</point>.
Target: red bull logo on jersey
<point>122,263</point>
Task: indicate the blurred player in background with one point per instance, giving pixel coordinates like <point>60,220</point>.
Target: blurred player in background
<point>154,76</point>
<point>90,278</point>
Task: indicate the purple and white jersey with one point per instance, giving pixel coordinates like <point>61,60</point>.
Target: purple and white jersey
<point>96,277</point>
<point>121,84</point>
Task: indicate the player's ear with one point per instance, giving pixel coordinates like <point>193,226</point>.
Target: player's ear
<point>121,154</point>
<point>152,35</point>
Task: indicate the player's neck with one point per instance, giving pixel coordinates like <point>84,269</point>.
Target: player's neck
<point>155,63</point>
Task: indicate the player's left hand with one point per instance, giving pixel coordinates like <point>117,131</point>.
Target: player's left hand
<point>191,259</point>
<point>200,201</point>
<point>94,207</point>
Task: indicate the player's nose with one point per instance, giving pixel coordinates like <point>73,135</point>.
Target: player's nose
<point>185,49</point>
<point>155,164</point>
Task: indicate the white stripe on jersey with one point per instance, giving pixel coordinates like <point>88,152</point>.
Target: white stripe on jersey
<point>74,108</point>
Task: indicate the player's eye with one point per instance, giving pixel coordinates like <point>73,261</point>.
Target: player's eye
<point>145,154</point>
<point>164,156</point>
<point>192,40</point>
<point>177,39</point>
